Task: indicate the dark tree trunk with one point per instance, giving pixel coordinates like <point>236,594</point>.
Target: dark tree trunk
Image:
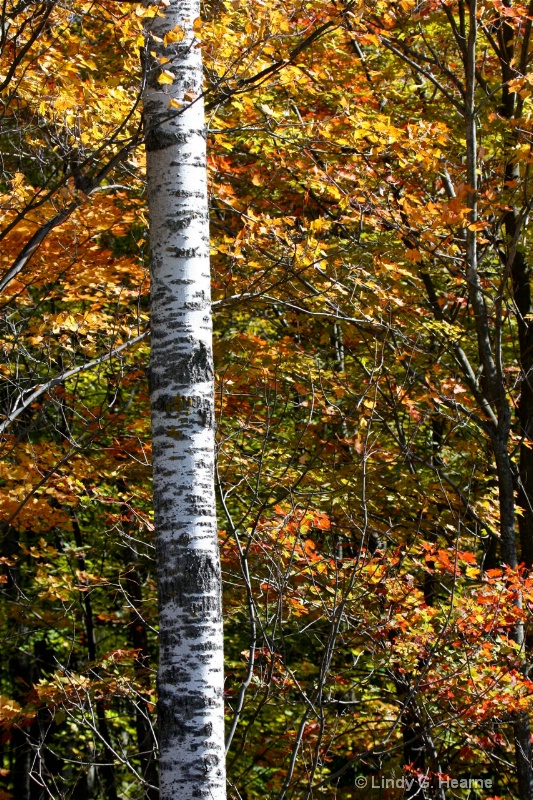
<point>106,767</point>
<point>139,641</point>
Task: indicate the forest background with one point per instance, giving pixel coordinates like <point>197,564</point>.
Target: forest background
<point>370,195</point>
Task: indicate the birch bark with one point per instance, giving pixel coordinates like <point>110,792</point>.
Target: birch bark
<point>190,680</point>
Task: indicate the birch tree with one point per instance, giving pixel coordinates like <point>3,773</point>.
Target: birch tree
<point>190,682</point>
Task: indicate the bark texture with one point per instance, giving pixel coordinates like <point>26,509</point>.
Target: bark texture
<point>515,263</point>
<point>190,682</point>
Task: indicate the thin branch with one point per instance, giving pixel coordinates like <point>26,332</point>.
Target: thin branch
<point>69,373</point>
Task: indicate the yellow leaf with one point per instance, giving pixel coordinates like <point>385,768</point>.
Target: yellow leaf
<point>414,255</point>
<point>166,77</point>
<point>515,84</point>
<point>8,708</point>
<point>61,103</point>
<point>175,35</point>
<point>172,103</point>
<point>197,28</point>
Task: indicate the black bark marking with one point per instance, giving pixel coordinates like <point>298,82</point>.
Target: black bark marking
<point>160,139</point>
<point>201,364</point>
<point>187,193</point>
<point>183,252</point>
<point>194,585</point>
<point>174,717</point>
<point>176,224</point>
<point>184,407</point>
<point>181,369</point>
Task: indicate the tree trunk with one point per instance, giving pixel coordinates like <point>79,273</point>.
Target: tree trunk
<point>139,641</point>
<point>493,379</point>
<point>21,672</point>
<point>516,262</point>
<point>190,682</point>
<point>106,768</point>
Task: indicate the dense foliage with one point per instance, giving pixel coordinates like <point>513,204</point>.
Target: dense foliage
<point>370,192</point>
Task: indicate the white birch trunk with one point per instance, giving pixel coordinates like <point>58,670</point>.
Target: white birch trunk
<point>190,681</point>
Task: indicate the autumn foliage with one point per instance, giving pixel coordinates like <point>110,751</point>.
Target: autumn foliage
<point>373,349</point>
